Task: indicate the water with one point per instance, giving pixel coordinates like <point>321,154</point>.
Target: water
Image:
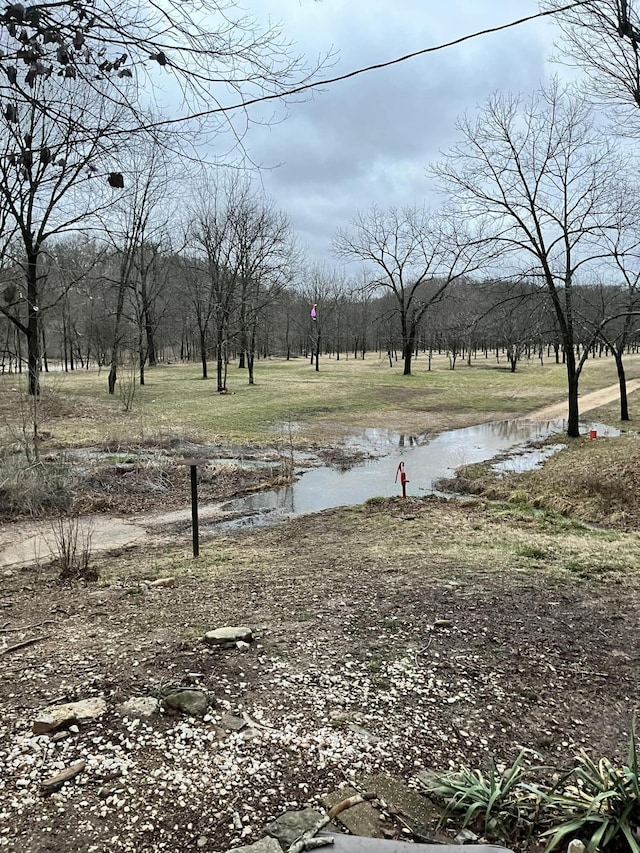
<point>426,460</point>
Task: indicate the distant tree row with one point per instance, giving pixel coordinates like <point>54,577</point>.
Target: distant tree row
<point>116,247</point>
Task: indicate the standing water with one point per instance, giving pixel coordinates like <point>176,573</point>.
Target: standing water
<point>426,461</point>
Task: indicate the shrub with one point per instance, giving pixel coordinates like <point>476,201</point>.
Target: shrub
<point>30,488</point>
<point>72,548</point>
<point>600,804</point>
<point>497,804</point>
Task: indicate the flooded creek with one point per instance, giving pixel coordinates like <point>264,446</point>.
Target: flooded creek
<point>426,461</point>
<point>426,458</point>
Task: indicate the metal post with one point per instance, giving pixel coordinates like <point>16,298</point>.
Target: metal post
<point>194,510</point>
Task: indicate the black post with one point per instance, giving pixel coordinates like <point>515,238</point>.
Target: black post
<point>194,510</point>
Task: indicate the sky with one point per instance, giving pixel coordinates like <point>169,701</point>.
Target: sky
<point>368,140</point>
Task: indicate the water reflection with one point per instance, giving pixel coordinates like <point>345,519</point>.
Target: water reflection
<point>427,459</point>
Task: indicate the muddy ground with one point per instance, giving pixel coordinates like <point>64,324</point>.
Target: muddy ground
<point>380,647</point>
<point>388,639</point>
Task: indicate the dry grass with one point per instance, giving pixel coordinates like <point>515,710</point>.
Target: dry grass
<point>76,409</point>
<point>597,482</point>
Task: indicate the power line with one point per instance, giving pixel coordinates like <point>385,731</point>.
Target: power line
<point>330,80</point>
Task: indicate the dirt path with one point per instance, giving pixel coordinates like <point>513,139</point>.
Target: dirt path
<point>33,542</point>
<point>587,401</point>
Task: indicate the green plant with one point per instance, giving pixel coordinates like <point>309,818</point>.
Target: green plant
<point>600,804</point>
<point>497,803</point>
<point>532,552</point>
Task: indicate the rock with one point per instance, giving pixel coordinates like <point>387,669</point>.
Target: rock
<point>291,825</point>
<point>576,846</point>
<point>56,782</point>
<point>230,722</point>
<point>265,845</point>
<point>186,700</point>
<point>400,798</point>
<point>61,735</point>
<point>362,819</point>
<point>232,634</point>
<point>465,836</point>
<point>139,706</point>
<point>62,716</point>
<point>363,733</point>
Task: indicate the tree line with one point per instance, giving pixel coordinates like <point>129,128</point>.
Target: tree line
<point>119,244</point>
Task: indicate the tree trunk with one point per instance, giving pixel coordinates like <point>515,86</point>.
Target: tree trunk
<point>573,430</point>
<point>115,344</point>
<point>220,372</point>
<point>33,324</point>
<point>407,356</point>
<point>622,382</point>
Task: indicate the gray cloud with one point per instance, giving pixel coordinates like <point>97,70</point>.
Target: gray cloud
<point>368,139</point>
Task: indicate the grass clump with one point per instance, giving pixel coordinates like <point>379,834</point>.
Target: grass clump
<point>33,488</point>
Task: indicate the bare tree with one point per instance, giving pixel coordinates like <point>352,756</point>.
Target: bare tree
<point>416,255</point>
<point>612,309</point>
<point>133,52</point>
<point>135,227</point>
<point>602,38</point>
<point>245,250</point>
<point>47,188</point>
<point>78,76</point>
<point>263,257</point>
<point>542,179</point>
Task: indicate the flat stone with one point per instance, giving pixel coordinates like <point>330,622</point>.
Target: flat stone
<point>363,733</point>
<point>265,845</point>
<point>186,700</point>
<point>362,819</point>
<point>403,799</point>
<point>139,706</point>
<point>232,722</point>
<point>231,634</point>
<point>291,825</point>
<point>62,716</point>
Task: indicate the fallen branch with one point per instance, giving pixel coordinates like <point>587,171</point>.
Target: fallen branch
<point>58,781</point>
<point>355,800</point>
<point>308,840</point>
<point>6,630</point>
<point>23,644</point>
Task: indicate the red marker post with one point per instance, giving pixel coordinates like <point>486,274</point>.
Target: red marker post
<point>400,472</point>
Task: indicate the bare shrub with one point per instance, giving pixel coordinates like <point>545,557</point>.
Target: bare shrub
<point>72,547</point>
<point>127,386</point>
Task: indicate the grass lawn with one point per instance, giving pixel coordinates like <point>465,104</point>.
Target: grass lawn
<point>76,409</point>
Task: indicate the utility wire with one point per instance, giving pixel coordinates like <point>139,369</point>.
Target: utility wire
<point>330,80</point>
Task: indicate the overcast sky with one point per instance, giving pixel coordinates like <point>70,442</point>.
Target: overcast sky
<point>367,140</point>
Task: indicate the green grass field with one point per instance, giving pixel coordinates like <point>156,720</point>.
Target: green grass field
<point>76,409</point>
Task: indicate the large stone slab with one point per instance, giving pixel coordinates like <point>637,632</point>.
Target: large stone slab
<point>362,819</point>
<point>57,717</point>
<point>229,634</point>
<point>265,845</point>
<point>401,798</point>
<point>291,825</point>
